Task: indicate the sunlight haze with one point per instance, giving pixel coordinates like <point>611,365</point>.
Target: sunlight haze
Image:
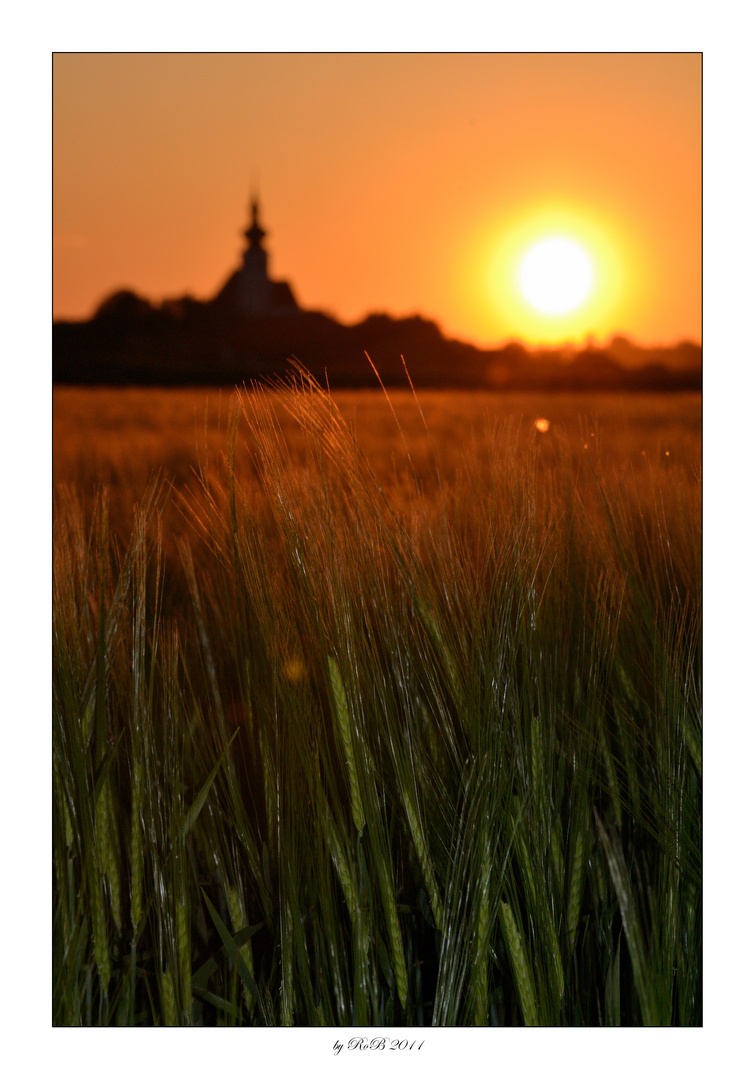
<point>407,183</point>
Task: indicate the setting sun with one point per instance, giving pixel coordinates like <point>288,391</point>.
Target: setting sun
<point>556,275</point>
<point>559,271</point>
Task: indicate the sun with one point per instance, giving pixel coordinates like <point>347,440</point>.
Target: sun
<point>556,275</point>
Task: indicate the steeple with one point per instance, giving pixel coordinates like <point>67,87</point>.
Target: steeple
<point>256,295</point>
<point>255,234</point>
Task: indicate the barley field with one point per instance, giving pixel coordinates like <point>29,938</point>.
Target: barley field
<point>376,712</point>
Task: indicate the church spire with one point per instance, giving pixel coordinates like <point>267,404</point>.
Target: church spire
<point>255,234</point>
<point>256,294</point>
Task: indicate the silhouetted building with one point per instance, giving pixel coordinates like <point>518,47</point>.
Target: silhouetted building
<point>250,290</point>
<point>254,329</point>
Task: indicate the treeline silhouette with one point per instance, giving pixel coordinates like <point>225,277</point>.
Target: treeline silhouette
<point>184,342</point>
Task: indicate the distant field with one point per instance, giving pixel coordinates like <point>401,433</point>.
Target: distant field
<point>376,714</point>
<point>120,437</point>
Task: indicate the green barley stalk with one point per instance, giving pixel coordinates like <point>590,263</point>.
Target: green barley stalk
<point>238,921</point>
<point>287,967</point>
<point>480,963</point>
<point>557,858</point>
<point>626,685</point>
<point>423,855</point>
<point>692,739</point>
<point>183,934</point>
<point>68,825</point>
<point>338,856</point>
<point>597,867</point>
<point>525,862</point>
<point>63,861</point>
<point>270,784</point>
<point>344,727</point>
<point>520,966</point>
<point>452,672</point>
<point>542,913</point>
<point>99,931</point>
<point>137,852</point>
<point>629,750</point>
<point>631,922</point>
<point>538,766</point>
<point>613,989</point>
<point>613,784</point>
<point>137,708</point>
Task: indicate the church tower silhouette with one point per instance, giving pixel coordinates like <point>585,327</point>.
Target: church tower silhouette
<point>256,294</point>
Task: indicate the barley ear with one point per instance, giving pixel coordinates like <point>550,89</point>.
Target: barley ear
<point>107,854</point>
<point>525,986</point>
<point>344,728</point>
<point>168,998</point>
<point>575,890</point>
<point>394,934</point>
<point>424,860</point>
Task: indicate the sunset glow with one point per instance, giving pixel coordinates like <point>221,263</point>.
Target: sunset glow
<point>561,273</point>
<point>406,184</point>
<point>556,275</point>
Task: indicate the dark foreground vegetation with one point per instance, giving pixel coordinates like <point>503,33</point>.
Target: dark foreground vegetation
<point>350,752</point>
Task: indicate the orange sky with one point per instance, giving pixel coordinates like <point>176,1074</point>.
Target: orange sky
<point>401,183</point>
